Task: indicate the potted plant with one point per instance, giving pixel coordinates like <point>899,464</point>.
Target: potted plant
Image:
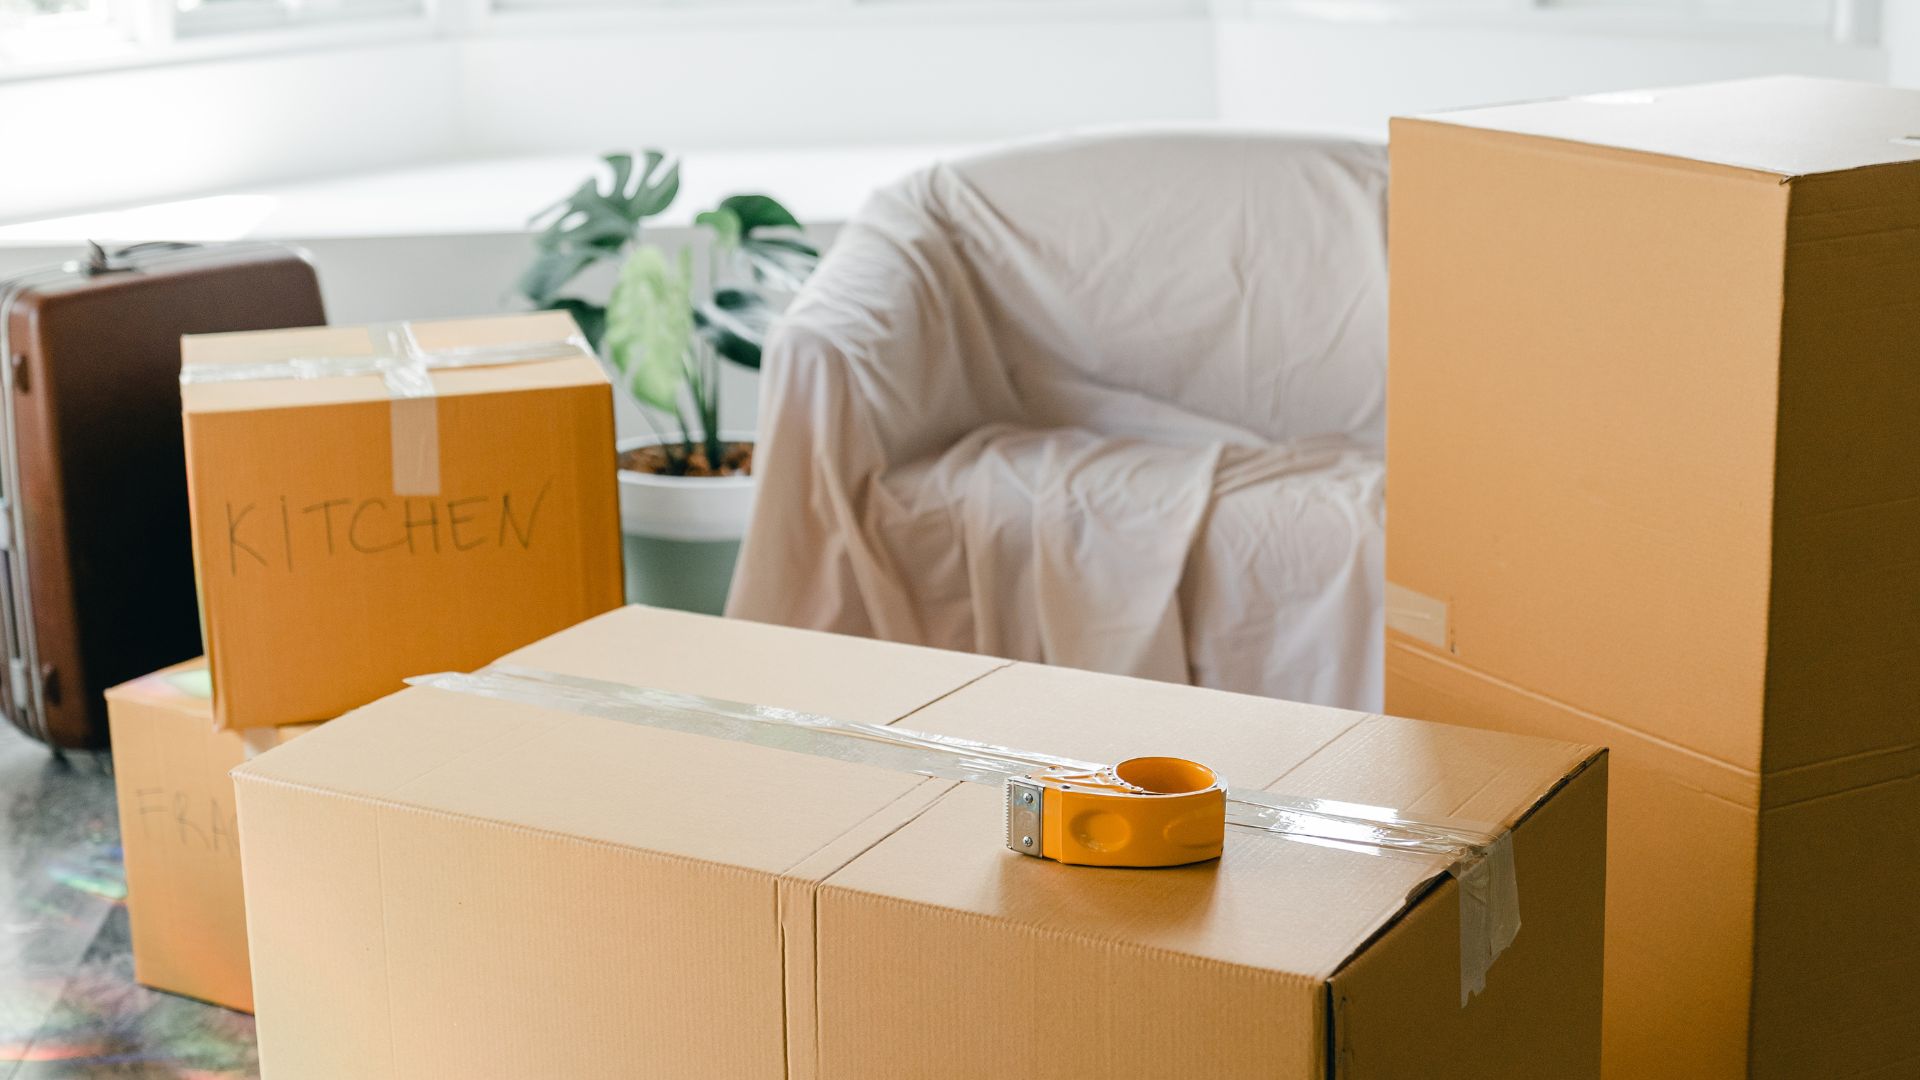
<point>686,489</point>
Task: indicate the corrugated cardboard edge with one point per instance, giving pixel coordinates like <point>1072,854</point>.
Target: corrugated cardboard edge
<point>798,894</point>
<point>1716,778</point>
<point>1557,979</point>
<point>1426,888</point>
<point>1452,117</point>
<point>1549,143</point>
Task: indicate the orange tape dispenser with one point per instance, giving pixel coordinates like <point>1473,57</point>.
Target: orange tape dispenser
<point>1145,811</point>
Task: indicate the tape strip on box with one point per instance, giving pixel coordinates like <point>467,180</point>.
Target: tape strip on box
<point>405,367</point>
<point>1478,855</point>
<point>1418,616</point>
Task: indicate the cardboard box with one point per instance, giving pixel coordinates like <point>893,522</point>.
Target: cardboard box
<point>446,885</point>
<point>346,538</point>
<point>178,834</point>
<point>1655,483</point>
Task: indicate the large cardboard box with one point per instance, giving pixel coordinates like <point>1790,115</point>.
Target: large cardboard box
<point>443,885</point>
<point>1654,449</point>
<point>178,833</point>
<point>346,537</point>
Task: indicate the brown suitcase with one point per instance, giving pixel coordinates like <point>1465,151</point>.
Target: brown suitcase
<point>97,585</point>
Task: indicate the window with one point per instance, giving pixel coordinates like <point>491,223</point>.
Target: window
<point>1816,15</point>
<point>53,35</point>
<point>1791,12</point>
<point>215,16</point>
<point>57,30</point>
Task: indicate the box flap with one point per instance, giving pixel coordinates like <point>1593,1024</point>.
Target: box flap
<point>265,346</point>
<point>1784,125</point>
<point>640,787</point>
<point>1547,985</point>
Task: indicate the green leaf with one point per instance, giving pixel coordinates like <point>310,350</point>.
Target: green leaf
<point>590,219</point>
<point>759,212</point>
<point>622,166</point>
<point>550,273</point>
<point>740,350</point>
<point>726,226</point>
<point>590,317</point>
<point>784,267</point>
<point>774,255</point>
<point>610,217</point>
<point>787,243</point>
<point>737,299</point>
<point>735,323</point>
<point>650,325</point>
<point>652,194</point>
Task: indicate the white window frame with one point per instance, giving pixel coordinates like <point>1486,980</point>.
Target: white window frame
<point>213,17</point>
<point>122,31</point>
<point>148,32</point>
<point>1846,22</point>
<point>518,16</point>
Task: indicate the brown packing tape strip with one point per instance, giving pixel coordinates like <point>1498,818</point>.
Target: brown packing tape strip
<point>406,368</point>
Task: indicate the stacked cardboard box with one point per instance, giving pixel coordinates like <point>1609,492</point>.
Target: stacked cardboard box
<point>346,537</point>
<point>367,504</point>
<point>179,834</point>
<point>1655,484</point>
<point>449,885</point>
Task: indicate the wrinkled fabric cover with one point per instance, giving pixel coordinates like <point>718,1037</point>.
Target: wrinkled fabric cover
<point>1107,402</point>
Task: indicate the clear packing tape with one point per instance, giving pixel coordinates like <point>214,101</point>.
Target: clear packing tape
<point>1479,856</point>
<point>400,361</point>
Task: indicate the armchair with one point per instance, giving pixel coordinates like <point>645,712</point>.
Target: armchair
<point>1112,402</point>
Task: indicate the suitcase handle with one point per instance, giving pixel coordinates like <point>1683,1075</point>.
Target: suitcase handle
<point>101,261</point>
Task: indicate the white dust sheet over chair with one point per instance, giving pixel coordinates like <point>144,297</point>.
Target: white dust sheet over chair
<point>1110,402</point>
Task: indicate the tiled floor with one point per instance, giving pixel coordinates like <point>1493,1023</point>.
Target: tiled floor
<point>68,1004</point>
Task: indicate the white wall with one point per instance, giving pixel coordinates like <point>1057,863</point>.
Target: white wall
<point>1352,76</point>
<point>540,84</point>
<point>78,141</point>
<point>580,83</point>
<point>845,83</point>
<point>1900,33</point>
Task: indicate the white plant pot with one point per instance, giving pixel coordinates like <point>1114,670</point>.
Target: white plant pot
<point>682,533</point>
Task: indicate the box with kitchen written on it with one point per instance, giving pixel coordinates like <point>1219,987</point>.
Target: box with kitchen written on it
<point>448,885</point>
<point>178,835</point>
<point>357,519</point>
<point>1655,483</point>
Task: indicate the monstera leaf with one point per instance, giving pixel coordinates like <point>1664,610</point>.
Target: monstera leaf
<point>766,235</point>
<point>597,222</point>
<point>650,325</point>
<point>590,317</point>
<point>735,322</point>
<point>756,231</point>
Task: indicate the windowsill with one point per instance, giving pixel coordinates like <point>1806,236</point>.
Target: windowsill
<point>481,197</point>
